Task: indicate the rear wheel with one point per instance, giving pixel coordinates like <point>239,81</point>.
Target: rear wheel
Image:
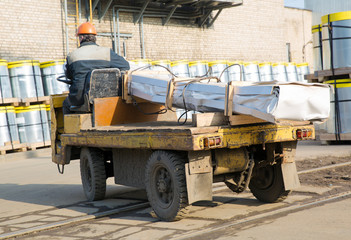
<point>166,185</point>
<point>267,184</point>
<point>93,173</point>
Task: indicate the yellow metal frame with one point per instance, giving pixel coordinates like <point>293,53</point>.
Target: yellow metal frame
<point>183,140</point>
<point>178,138</point>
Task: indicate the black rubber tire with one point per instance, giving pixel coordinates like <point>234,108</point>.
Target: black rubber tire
<point>93,173</point>
<point>267,184</point>
<point>166,185</point>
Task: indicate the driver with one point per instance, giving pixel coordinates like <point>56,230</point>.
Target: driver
<point>83,60</point>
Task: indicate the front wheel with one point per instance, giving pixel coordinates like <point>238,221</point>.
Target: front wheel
<point>267,184</point>
<point>166,185</point>
<point>93,173</point>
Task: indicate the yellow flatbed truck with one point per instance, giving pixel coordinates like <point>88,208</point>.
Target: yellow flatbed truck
<point>176,164</point>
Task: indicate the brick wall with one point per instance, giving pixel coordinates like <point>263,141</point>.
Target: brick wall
<point>257,30</point>
<point>31,29</point>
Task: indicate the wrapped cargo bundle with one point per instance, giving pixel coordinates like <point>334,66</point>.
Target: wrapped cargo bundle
<point>270,101</point>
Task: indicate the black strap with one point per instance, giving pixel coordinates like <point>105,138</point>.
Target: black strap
<point>8,127</point>
<point>337,122</point>
<point>320,47</point>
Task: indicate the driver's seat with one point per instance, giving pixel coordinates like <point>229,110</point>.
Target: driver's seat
<point>99,84</point>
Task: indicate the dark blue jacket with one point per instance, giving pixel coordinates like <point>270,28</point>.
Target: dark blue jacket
<point>83,60</point>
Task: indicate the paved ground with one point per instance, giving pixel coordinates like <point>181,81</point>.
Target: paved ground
<point>314,149</point>
<point>30,183</point>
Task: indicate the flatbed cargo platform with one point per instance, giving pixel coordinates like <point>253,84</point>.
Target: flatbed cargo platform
<point>172,136</point>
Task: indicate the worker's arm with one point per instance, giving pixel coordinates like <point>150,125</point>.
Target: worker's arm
<point>118,62</point>
<point>68,70</point>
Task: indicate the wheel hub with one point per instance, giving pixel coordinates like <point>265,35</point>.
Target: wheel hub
<point>264,177</point>
<point>162,185</point>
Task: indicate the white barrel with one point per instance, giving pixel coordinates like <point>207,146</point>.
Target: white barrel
<point>343,88</point>
<point>198,68</point>
<point>50,71</point>
<point>302,70</point>
<point>266,71</point>
<point>236,71</point>
<point>291,71</point>
<point>26,79</point>
<point>5,85</point>
<point>48,114</point>
<point>339,24</point>
<point>279,72</point>
<point>317,47</point>
<point>180,68</point>
<point>252,72</point>
<point>8,126</point>
<point>161,65</point>
<point>32,124</point>
<point>4,129</point>
<point>218,69</point>
<point>140,63</point>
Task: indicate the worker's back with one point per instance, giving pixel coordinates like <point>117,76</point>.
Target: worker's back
<point>83,60</point>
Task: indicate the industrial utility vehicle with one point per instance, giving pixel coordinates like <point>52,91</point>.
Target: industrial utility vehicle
<point>114,136</point>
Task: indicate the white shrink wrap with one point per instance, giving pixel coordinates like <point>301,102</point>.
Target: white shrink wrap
<point>270,101</point>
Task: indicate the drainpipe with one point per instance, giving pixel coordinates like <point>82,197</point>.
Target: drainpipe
<point>116,9</point>
<point>116,31</point>
<point>142,46</point>
<point>66,23</point>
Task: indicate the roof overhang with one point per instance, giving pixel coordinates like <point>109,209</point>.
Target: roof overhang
<point>200,11</point>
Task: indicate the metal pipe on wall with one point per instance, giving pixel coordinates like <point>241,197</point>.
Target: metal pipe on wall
<point>116,9</point>
<point>142,46</point>
<point>66,23</point>
<point>116,30</point>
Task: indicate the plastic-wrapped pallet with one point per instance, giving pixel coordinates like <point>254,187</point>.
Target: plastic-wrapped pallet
<point>270,101</point>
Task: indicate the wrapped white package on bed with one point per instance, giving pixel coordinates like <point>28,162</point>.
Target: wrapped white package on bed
<point>271,101</point>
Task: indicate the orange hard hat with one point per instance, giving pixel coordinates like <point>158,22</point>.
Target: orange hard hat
<point>86,28</point>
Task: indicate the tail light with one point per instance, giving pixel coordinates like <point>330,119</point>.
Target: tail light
<point>212,142</point>
<point>303,134</point>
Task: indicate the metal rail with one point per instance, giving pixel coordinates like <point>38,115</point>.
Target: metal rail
<point>73,220</point>
<point>296,207</point>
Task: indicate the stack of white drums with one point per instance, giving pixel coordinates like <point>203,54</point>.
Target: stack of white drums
<point>161,65</point>
<point>26,79</point>
<point>140,63</point>
<point>180,68</point>
<point>5,85</point>
<point>279,72</point>
<point>336,32</point>
<point>291,72</point>
<point>32,122</point>
<point>343,86</point>
<point>218,69</point>
<point>8,126</point>
<point>252,72</point>
<point>198,68</point>
<point>336,45</point>
<point>236,71</point>
<point>50,71</point>
<point>266,71</point>
<point>317,47</point>
<point>302,70</point>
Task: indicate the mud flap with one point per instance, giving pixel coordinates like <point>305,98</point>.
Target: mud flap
<point>290,177</point>
<point>289,172</point>
<point>199,176</point>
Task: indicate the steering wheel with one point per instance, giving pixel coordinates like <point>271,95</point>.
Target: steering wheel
<point>63,79</point>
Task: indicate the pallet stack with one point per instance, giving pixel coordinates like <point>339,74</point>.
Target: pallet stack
<point>331,40</point>
<point>338,127</point>
<point>23,107</point>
